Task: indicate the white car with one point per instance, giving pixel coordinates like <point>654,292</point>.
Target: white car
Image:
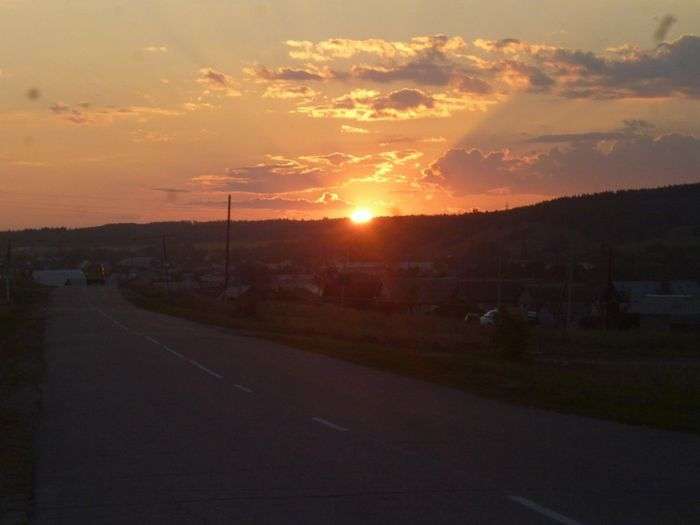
<point>489,318</point>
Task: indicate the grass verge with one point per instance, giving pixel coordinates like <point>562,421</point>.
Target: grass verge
<point>661,392</point>
<point>21,370</point>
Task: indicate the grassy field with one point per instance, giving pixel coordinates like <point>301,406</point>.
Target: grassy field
<point>630,377</point>
<point>21,370</point>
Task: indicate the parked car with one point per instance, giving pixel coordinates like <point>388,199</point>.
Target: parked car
<point>489,318</point>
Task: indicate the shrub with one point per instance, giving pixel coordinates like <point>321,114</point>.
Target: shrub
<point>513,334</point>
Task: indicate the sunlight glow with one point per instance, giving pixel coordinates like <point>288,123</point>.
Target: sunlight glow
<point>361,216</point>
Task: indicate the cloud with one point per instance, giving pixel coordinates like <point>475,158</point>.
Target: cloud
<point>310,73</point>
<point>85,114</point>
<point>327,201</point>
<point>663,28</point>
<point>428,70</point>
<point>472,171</point>
<point>633,160</point>
<point>155,49</point>
<point>498,67</point>
<point>333,159</point>
<point>523,77</point>
<point>217,81</point>
<point>345,48</point>
<point>353,130</point>
<point>402,104</point>
<point>141,136</point>
<point>280,175</point>
<point>399,157</point>
<point>288,91</point>
<point>595,136</point>
<point>511,46</point>
<point>671,69</point>
<point>171,194</point>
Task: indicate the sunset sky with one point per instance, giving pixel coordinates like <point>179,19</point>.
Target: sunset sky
<point>145,110</point>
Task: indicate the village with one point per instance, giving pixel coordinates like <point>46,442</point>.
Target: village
<point>578,296</point>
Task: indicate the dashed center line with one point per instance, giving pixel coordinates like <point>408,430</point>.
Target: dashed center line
<point>244,389</point>
<point>329,424</point>
<point>555,516</point>
<point>204,368</point>
<point>178,354</point>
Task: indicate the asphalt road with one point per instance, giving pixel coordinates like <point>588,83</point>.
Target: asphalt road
<point>152,419</point>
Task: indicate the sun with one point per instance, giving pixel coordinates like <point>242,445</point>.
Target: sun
<point>361,216</point>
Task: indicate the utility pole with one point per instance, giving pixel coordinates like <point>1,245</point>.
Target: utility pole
<point>164,264</point>
<point>498,292</point>
<point>8,272</point>
<point>228,245</point>
<point>569,289</point>
<point>610,291</point>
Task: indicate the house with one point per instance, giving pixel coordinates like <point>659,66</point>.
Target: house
<point>415,267</point>
<point>351,288</point>
<point>138,262</point>
<point>419,294</point>
<point>295,282</point>
<point>60,277</point>
<point>550,301</point>
<point>235,291</point>
<point>661,305</point>
<point>635,291</point>
<point>373,268</point>
<point>447,295</point>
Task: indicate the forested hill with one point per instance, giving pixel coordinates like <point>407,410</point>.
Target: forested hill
<point>623,218</point>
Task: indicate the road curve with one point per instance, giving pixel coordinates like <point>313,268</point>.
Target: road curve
<point>153,419</point>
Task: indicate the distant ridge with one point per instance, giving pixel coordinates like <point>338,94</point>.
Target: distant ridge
<point>620,217</point>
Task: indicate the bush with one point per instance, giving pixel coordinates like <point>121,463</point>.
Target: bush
<point>513,334</point>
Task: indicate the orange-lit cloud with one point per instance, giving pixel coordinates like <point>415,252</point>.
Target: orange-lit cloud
<point>402,104</point>
<point>632,160</point>
<point>344,48</point>
<point>217,81</point>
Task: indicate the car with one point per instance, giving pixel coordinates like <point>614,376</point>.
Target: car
<point>472,317</point>
<point>489,318</point>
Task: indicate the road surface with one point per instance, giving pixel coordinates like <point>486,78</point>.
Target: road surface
<point>153,419</point>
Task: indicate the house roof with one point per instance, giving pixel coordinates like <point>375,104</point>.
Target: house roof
<point>59,277</point>
<point>673,305</point>
<point>557,292</point>
<point>442,290</point>
<point>634,291</point>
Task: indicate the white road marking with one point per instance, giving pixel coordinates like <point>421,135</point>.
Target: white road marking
<point>559,518</point>
<point>204,368</point>
<point>329,424</point>
<point>123,327</point>
<point>168,349</point>
<point>114,321</point>
<point>178,354</point>
<point>241,387</point>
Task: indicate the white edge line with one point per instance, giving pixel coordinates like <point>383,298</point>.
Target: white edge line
<point>560,518</point>
<point>329,424</point>
<point>245,389</point>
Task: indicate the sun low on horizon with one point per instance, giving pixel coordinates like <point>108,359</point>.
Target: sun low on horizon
<point>361,216</point>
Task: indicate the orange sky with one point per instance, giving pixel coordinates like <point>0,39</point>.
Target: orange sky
<point>121,112</point>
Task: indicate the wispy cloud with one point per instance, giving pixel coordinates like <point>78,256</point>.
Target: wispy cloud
<point>217,81</point>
